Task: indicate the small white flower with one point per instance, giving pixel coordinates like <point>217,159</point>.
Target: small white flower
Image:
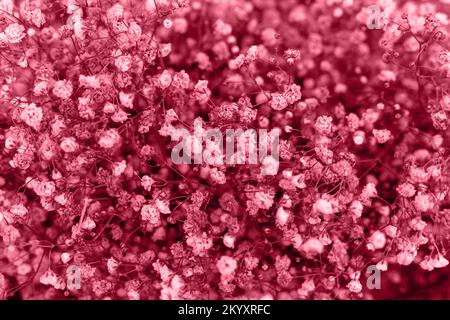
<point>109,108</point>
<point>163,206</point>
<point>32,116</point>
<point>312,247</point>
<point>391,231</point>
<point>417,224</point>
<point>18,210</point>
<point>382,265</point>
<point>14,33</point>
<point>228,241</point>
<point>123,63</point>
<point>119,168</point>
<point>354,286</point>
<point>109,139</point>
<point>356,208</point>
<point>88,224</point>
<point>66,257</point>
<point>150,213</point>
<point>126,99</point>
<point>440,261</point>
<point>382,136</point>
<point>147,183</point>
<point>282,216</point>
<point>405,258</point>
<point>423,202</point>
<point>112,265</point>
<point>133,295</point>
<point>376,241</point>
<point>369,191</point>
<point>323,206</point>
<point>69,145</point>
<point>164,79</point>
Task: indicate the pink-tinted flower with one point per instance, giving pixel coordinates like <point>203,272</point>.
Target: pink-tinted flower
<point>109,139</point>
<point>323,206</point>
<point>14,33</point>
<point>150,213</point>
<point>91,99</point>
<point>406,189</point>
<point>278,101</point>
<point>312,247</point>
<point>69,145</point>
<point>119,168</point>
<point>226,265</point>
<point>32,115</point>
<point>134,31</point>
<point>123,63</point>
<point>147,182</point>
<point>323,125</point>
<point>376,241</point>
<point>164,79</point>
<point>201,91</point>
<point>423,202</point>
<point>354,286</point>
<point>18,210</point>
<point>382,136</point>
<point>369,191</point>
<point>63,89</point>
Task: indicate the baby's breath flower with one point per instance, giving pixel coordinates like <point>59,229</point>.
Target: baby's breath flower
<point>382,136</point>
<point>323,125</point>
<point>32,115</point>
<point>406,189</point>
<point>109,139</point>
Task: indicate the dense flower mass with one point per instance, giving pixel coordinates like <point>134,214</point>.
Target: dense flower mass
<point>93,207</point>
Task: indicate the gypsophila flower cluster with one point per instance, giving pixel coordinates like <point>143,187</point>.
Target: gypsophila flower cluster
<point>93,92</point>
